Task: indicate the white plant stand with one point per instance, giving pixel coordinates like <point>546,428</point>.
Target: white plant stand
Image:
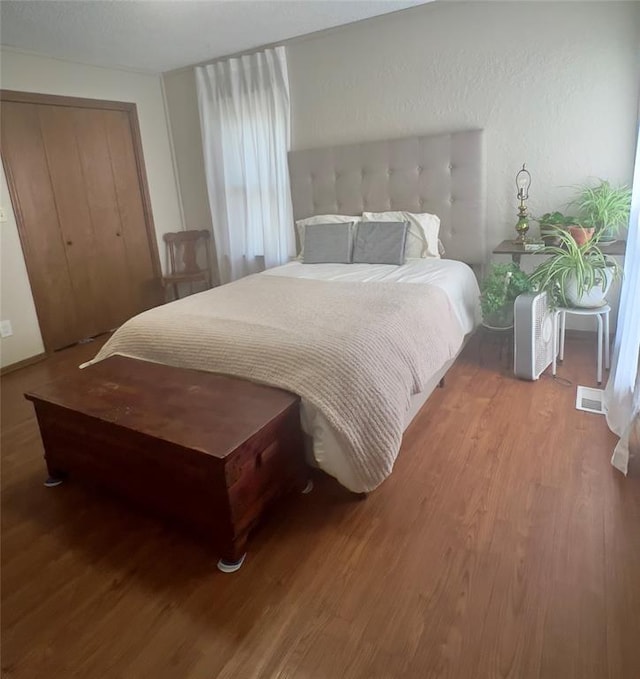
<point>560,323</point>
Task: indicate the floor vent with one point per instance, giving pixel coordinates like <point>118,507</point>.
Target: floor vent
<point>591,400</point>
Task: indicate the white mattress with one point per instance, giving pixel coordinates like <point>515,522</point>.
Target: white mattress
<point>456,279</point>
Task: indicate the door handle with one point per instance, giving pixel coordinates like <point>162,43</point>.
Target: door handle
<point>117,233</point>
<point>69,242</point>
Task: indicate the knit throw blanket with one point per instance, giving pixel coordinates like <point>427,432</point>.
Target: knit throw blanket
<point>356,351</point>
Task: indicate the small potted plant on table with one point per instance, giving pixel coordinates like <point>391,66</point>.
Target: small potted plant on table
<point>498,293</point>
<point>550,222</point>
<point>605,208</point>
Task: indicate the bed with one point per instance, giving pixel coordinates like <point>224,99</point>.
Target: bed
<point>325,447</point>
<point>442,174</point>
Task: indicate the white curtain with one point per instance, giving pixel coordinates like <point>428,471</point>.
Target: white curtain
<point>622,393</point>
<point>245,123</point>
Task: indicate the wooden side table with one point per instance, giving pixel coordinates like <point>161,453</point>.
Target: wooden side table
<point>516,250</point>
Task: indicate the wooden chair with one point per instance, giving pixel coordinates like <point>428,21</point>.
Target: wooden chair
<point>183,260</point>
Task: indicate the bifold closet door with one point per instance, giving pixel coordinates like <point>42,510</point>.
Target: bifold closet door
<point>76,189</point>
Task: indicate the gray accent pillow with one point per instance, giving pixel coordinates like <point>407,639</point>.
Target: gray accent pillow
<point>380,242</point>
<point>328,243</point>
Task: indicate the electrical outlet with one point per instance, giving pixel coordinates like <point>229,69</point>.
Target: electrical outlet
<point>5,329</point>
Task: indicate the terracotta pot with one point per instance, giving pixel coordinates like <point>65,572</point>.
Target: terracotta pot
<point>580,234</point>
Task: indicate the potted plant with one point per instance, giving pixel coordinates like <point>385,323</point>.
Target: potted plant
<point>550,222</point>
<point>603,207</point>
<point>498,292</point>
<point>581,233</point>
<point>576,275</point>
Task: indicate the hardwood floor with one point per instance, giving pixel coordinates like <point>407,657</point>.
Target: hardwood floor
<point>504,545</point>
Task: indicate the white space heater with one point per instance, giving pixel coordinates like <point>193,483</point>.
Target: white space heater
<point>533,335</point>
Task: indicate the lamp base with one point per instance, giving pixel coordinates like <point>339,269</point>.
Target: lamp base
<point>522,227</point>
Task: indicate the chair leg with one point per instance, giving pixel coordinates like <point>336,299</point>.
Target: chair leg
<point>563,327</point>
<point>600,333</point>
<point>556,330</point>
<point>607,355</point>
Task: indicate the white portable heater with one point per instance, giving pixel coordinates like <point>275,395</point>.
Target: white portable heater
<point>533,335</point>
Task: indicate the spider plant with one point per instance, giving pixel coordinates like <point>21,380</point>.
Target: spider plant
<point>574,271</point>
<point>605,207</point>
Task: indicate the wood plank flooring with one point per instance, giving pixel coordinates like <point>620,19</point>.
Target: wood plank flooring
<point>503,545</point>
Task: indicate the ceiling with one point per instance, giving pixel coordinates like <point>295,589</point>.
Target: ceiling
<point>162,35</point>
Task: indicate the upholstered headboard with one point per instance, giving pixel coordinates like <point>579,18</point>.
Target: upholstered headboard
<point>443,174</point>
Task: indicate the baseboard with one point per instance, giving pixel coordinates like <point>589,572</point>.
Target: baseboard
<point>23,364</point>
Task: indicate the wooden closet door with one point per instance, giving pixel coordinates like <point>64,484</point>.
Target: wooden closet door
<point>42,241</point>
<point>81,240</point>
<point>76,182</point>
<point>145,288</point>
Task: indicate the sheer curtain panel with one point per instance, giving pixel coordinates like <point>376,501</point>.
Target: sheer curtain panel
<point>622,393</point>
<point>245,122</point>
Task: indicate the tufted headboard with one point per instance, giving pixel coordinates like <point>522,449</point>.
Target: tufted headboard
<point>443,174</point>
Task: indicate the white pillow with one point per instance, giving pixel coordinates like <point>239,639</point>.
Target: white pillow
<point>321,219</point>
<point>422,237</point>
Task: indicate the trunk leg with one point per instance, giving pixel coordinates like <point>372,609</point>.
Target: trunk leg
<point>233,557</point>
<point>55,476</point>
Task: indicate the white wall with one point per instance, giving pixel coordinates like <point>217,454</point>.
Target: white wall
<point>554,85</point>
<point>16,301</point>
<point>29,73</point>
<point>180,91</point>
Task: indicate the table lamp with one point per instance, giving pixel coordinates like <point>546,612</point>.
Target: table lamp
<point>523,182</point>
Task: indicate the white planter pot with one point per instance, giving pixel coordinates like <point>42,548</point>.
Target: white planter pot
<point>592,298</point>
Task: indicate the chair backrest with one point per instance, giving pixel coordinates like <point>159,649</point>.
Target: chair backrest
<point>186,243</point>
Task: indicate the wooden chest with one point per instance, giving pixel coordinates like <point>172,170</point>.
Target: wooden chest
<point>210,451</point>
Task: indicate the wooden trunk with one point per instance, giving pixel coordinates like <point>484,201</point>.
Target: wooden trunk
<point>209,451</point>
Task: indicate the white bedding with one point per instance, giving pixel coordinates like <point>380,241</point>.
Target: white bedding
<point>456,279</point>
